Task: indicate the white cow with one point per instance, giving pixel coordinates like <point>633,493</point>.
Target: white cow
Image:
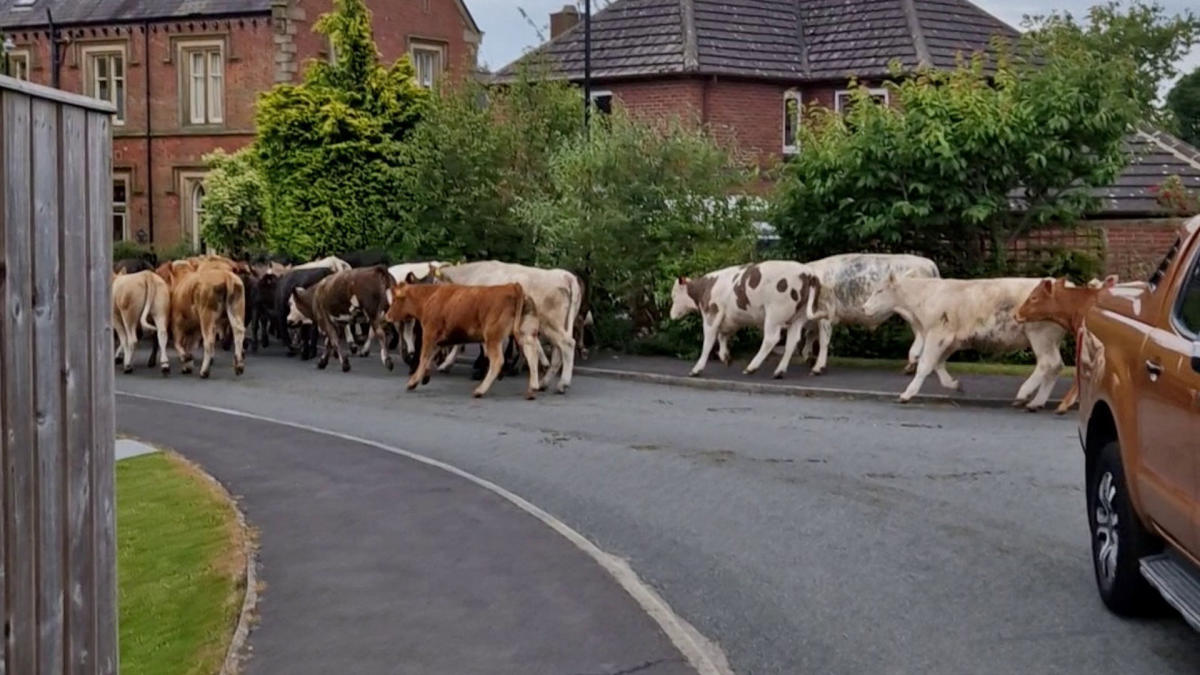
<point>557,294</point>
<point>332,262</point>
<point>847,281</point>
<point>956,314</point>
<point>776,295</point>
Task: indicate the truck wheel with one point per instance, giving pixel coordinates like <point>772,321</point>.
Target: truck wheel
<point>1119,540</point>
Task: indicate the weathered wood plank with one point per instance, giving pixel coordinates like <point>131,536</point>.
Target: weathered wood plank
<point>99,144</point>
<point>20,467</point>
<point>77,413</point>
<point>47,367</point>
<point>4,392</point>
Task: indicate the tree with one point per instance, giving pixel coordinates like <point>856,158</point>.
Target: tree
<point>633,206</point>
<point>476,154</point>
<point>1143,34</point>
<point>331,148</point>
<point>940,171</point>
<point>1184,101</point>
<point>234,203</point>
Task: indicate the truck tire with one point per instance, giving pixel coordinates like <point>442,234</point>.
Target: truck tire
<point>1119,540</point>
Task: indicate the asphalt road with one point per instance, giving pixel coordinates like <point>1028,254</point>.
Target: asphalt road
<point>802,535</point>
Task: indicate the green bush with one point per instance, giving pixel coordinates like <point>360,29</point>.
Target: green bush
<point>234,203</point>
<point>123,249</point>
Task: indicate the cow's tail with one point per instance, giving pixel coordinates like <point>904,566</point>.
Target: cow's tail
<point>574,302</point>
<point>148,300</point>
<point>814,293</point>
<point>525,308</point>
<point>235,300</point>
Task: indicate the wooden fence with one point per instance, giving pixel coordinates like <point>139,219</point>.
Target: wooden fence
<point>56,368</point>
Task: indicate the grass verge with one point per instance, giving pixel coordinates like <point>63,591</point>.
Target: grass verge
<point>962,368</point>
<point>180,567</point>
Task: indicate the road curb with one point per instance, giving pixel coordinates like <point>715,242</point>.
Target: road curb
<point>746,387</point>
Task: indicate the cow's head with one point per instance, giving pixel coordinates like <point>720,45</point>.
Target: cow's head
<point>402,306</point>
<point>300,307</point>
<point>885,298</point>
<point>1054,300</point>
<point>682,302</point>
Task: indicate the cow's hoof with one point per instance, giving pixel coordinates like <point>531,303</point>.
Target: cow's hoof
<point>204,374</point>
<point>166,370</point>
<point>747,371</point>
<point>1018,403</point>
<point>127,370</point>
<point>238,370</point>
<point>561,388</point>
<point>389,364</point>
<point>904,399</point>
<point>186,370</point>
<point>346,366</point>
<point>1032,408</point>
<point>817,371</point>
<point>778,375</point>
<point>1061,411</point>
<point>693,373</point>
<point>477,394</point>
<point>529,395</point>
<point>957,386</point>
<point>321,365</point>
<point>910,368</point>
<point>425,380</point>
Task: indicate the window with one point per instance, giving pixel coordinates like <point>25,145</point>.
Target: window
<point>197,206</point>
<point>1187,312</point>
<point>792,110</point>
<point>106,77</point>
<point>843,98</point>
<point>191,207</point>
<point>120,207</point>
<point>427,61</point>
<point>203,86</point>
<point>602,102</point>
<point>18,65</point>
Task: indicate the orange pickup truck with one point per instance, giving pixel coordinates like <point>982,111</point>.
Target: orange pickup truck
<point>1139,423</point>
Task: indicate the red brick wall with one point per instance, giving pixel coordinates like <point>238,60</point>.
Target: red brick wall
<point>1135,247</point>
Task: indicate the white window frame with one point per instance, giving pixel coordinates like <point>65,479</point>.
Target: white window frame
<point>602,93</point>
<point>438,51</point>
<point>122,208</point>
<point>189,214</point>
<point>90,56</point>
<point>19,56</point>
<point>209,81</point>
<point>797,96</point>
<point>846,93</point>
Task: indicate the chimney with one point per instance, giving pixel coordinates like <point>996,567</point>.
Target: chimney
<point>563,20</point>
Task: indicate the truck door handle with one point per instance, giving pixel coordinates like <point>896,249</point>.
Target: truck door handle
<point>1155,369</point>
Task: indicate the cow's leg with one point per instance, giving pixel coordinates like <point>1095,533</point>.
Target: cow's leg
<point>556,364</point>
<point>932,359</point>
<point>208,334</point>
<point>125,352</point>
<point>914,352</point>
<point>529,347</point>
<point>723,354</point>
<point>424,362</point>
<point>451,357</point>
<point>794,333</point>
<point>380,330</point>
<point>234,311</point>
<point>771,329</point>
<point>946,379</point>
<point>160,346</point>
<point>183,348</point>
<point>495,356</point>
<point>1068,400</point>
<point>710,336</point>
<point>824,337</point>
<point>326,352</point>
<point>341,347</point>
<point>1049,364</point>
<point>563,346</point>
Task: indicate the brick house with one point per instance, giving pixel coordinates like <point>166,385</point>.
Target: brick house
<point>744,68</point>
<point>185,74</point>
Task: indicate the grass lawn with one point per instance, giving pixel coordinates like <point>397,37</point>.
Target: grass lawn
<point>963,368</point>
<point>180,565</point>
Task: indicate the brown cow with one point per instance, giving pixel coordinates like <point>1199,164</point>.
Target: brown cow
<point>1053,300</point>
<point>137,297</point>
<point>452,314</point>
<point>203,294</point>
<point>337,299</point>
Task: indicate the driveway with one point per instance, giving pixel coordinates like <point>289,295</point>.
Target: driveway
<point>802,535</point>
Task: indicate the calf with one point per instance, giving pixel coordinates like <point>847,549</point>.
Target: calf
<point>452,314</point>
<point>1066,306</point>
<point>776,295</point>
<point>338,299</point>
<point>201,298</point>
<point>556,294</point>
<point>956,314</point>
<point>284,310</point>
<point>846,282</point>
<point>137,297</point>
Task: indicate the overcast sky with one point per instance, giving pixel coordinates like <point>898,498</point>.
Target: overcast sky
<point>507,34</point>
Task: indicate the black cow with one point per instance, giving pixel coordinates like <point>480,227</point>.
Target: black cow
<point>307,343</point>
<point>366,258</point>
<point>146,261</point>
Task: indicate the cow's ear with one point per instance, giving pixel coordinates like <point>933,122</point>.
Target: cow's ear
<point>1061,282</point>
<point>1048,285</point>
<point>436,270</point>
<point>682,281</point>
<point>410,278</point>
<point>1110,281</point>
<point>891,280</point>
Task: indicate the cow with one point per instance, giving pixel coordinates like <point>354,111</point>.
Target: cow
<point>1059,302</point>
<point>283,308</point>
<point>408,334</point>
<point>557,296</point>
<point>260,296</point>
<point>956,314</point>
<point>453,314</point>
<point>366,258</point>
<point>338,299</point>
<point>137,297</point>
<point>847,281</point>
<point>147,261</point>
<point>332,263</point>
<point>776,295</point>
<point>204,293</point>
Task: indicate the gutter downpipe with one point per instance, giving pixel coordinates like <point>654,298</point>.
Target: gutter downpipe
<point>149,139</point>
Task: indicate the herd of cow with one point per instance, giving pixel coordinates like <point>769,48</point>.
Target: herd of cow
<point>430,309</point>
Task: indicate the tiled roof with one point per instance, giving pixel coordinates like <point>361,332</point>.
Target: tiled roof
<point>105,11</point>
<point>1156,156</point>
<point>778,39</point>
